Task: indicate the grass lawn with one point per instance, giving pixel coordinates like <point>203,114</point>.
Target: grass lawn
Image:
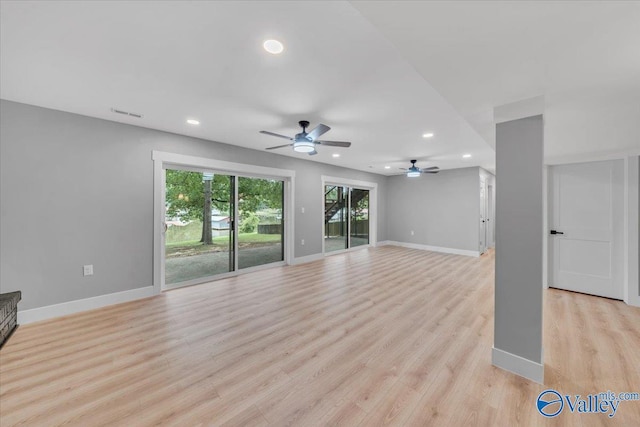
<point>221,243</point>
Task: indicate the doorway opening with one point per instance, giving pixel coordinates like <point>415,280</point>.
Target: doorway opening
<point>348,215</point>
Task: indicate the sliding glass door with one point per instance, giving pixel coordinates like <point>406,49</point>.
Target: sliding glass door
<point>202,210</point>
<point>199,240</point>
<point>335,218</point>
<point>359,215</point>
<point>261,225</point>
<point>346,217</point>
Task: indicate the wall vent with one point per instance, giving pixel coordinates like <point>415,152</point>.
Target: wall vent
<point>126,113</point>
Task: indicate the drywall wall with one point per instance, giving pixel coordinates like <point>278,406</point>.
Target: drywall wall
<point>441,209</point>
<point>76,190</point>
<point>519,236</point>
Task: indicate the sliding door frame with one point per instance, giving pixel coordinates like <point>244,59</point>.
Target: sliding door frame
<point>373,209</point>
<point>164,160</point>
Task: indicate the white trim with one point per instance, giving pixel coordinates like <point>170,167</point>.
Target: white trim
<point>631,276</point>
<point>159,179</point>
<point>454,251</point>
<point>162,160</point>
<point>71,307</point>
<point>625,235</point>
<point>518,365</point>
<point>592,157</point>
<point>385,243</point>
<point>306,259</point>
<point>545,227</point>
<point>219,165</point>
<point>519,110</point>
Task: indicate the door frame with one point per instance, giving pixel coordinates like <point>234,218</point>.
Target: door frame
<point>491,241</point>
<point>373,208</point>
<point>631,184</point>
<point>163,160</point>
<point>483,244</point>
<point>615,171</point>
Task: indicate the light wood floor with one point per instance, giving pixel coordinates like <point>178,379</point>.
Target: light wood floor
<point>385,336</point>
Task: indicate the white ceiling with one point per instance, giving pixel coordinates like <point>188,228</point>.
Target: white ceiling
<point>176,60</point>
<point>583,57</point>
<point>376,73</point>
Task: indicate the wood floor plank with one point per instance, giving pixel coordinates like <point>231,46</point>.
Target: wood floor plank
<point>382,336</point>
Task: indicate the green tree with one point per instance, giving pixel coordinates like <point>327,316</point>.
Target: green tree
<point>249,223</point>
<point>185,196</point>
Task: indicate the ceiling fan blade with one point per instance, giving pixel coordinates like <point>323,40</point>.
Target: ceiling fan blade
<point>317,131</point>
<point>313,153</point>
<point>266,132</point>
<point>432,168</point>
<point>403,169</point>
<point>430,171</point>
<point>279,146</point>
<point>334,143</point>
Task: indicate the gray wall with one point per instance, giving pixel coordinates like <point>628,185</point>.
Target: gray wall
<point>76,190</point>
<point>519,232</point>
<point>442,209</point>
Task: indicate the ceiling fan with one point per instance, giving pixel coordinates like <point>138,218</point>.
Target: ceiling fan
<point>415,171</point>
<point>305,142</point>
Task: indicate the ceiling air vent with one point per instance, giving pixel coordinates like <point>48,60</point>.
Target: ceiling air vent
<point>126,113</point>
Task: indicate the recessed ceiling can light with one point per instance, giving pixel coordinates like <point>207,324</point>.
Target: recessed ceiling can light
<point>427,135</point>
<point>387,167</point>
<point>193,122</point>
<point>466,156</point>
<point>273,46</point>
<point>336,155</point>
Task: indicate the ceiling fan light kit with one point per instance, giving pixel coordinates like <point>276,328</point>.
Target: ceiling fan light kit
<point>414,171</point>
<point>305,142</point>
<point>304,146</point>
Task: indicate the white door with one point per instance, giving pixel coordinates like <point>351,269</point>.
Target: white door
<point>483,216</point>
<point>586,228</point>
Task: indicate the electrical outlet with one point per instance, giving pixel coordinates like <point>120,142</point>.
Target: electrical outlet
<point>302,242</point>
<point>87,270</point>
<point>302,209</point>
<point>412,233</point>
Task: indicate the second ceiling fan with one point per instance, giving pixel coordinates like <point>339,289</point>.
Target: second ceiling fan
<point>305,142</point>
<point>415,171</point>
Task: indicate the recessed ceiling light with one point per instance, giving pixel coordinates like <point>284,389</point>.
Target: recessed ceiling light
<point>193,122</point>
<point>466,156</point>
<point>427,135</point>
<point>273,46</point>
<point>387,167</point>
<point>335,155</point>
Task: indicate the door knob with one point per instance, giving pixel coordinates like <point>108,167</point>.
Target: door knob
<point>556,232</point>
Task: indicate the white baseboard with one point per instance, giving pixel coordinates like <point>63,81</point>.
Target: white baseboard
<point>308,258</point>
<point>431,248</point>
<point>518,365</point>
<point>71,307</point>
